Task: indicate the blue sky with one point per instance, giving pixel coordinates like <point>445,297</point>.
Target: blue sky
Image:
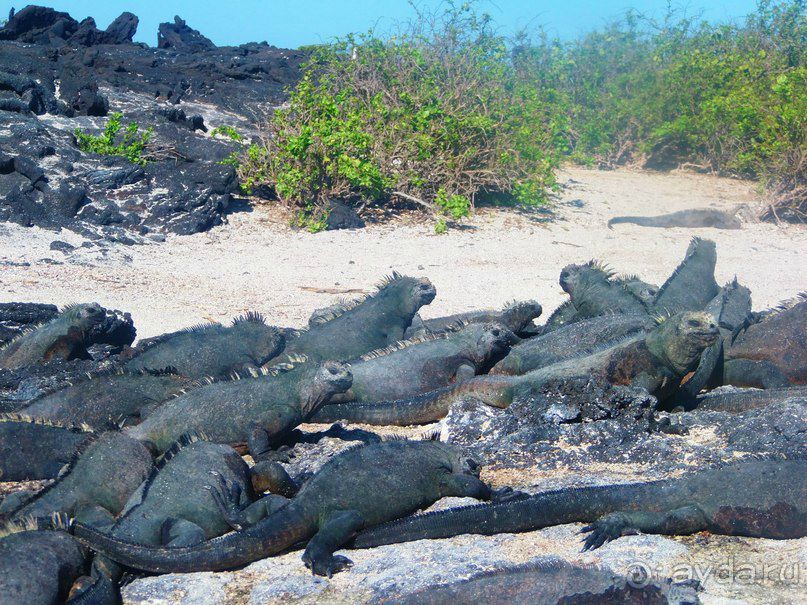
<point>290,24</point>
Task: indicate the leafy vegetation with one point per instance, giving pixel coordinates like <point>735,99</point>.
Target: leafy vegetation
<point>131,143</point>
<point>448,113</point>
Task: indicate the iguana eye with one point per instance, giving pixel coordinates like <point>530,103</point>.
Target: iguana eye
<point>694,323</point>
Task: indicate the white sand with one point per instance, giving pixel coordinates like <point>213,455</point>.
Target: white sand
<point>256,262</point>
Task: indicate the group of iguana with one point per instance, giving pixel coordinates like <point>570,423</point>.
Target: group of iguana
<point>146,452</point>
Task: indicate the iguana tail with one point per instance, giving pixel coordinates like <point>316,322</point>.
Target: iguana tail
<point>584,504</point>
<point>270,536</point>
<point>495,391</point>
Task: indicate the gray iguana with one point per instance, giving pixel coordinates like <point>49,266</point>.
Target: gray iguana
<point>692,218</point>
<point>358,327</point>
<point>356,489</point>
<point>771,351</point>
<point>63,337</point>
<point>655,361</point>
<point>737,401</point>
<point>417,366</point>
<point>754,498</point>
<point>212,349</point>
<point>516,316</point>
<point>593,292</point>
<point>692,285</point>
<point>32,448</point>
<point>247,410</point>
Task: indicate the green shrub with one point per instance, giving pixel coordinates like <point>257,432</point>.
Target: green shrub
<point>436,116</point>
<point>131,145</point>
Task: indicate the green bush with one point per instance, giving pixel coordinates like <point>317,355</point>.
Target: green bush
<point>131,145</point>
<point>436,116</point>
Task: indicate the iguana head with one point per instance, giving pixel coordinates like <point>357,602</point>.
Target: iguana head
<point>517,315</point>
<point>680,340</point>
<point>415,293</point>
<point>493,342</point>
<point>571,276</point>
<point>640,289</point>
<point>458,459</point>
<point>85,316</point>
<point>330,378</point>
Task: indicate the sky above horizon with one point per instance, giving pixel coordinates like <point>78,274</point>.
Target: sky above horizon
<point>291,24</point>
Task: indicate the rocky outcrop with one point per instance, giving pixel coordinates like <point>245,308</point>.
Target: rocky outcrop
<point>179,36</point>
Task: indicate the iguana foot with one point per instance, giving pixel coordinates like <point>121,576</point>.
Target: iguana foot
<point>228,500</point>
<point>326,564</point>
<point>507,494</point>
<point>607,528</point>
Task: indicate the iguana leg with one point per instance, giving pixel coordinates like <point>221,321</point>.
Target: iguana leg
<point>260,447</point>
<point>271,477</point>
<point>238,514</point>
<point>464,372</point>
<point>260,509</point>
<point>180,532</point>
<point>465,486</point>
<point>678,522</point>
<point>335,531</point>
<point>749,373</point>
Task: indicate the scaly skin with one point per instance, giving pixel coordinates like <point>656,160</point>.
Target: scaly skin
<point>692,285</point>
<point>63,337</point>
<point>38,567</point>
<point>593,293</point>
<point>755,498</point>
<point>97,485</point>
<point>358,488</point>
<point>379,320</point>
<point>212,350</point>
<point>231,412</point>
<point>544,582</point>
<point>771,352</point>
<point>642,290</point>
<point>729,309</point>
<point>693,218</point>
<point>421,367</point>
<point>120,397</point>
<point>517,317</point>
<point>574,340</point>
<point>32,448</point>
<point>739,401</point>
<point>655,361</point>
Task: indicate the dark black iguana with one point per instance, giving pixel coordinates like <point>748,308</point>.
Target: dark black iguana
<point>737,401</point>
<point>729,310</point>
<point>32,448</point>
<point>655,361</point>
<point>692,218</point>
<point>195,492</point>
<point>356,489</point>
<point>754,498</point>
<point>358,327</point>
<point>212,349</point>
<point>95,486</point>
<point>770,351</point>
<point>417,366</point>
<point>250,410</point>
<point>569,341</point>
<point>692,285</point>
<point>37,567</point>
<point>593,292</point>
<point>63,337</point>
<point>551,582</point>
<point>116,395</point>
<point>516,316</point>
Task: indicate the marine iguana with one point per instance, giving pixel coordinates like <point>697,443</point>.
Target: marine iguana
<point>753,498</point>
<point>564,315</point>
<point>516,316</point>
<point>551,582</point>
<point>692,218</point>
<point>32,448</point>
<point>109,396</point>
<point>37,567</point>
<point>771,351</point>
<point>212,349</point>
<point>356,489</point>
<point>360,326</point>
<point>569,341</point>
<point>63,337</point>
<point>655,361</point>
<point>692,285</point>
<point>644,291</point>
<point>95,486</point>
<point>736,401</point>
<point>252,410</point>
<point>593,293</point>
<point>417,366</point>
<point>729,309</point>
<point>190,496</point>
